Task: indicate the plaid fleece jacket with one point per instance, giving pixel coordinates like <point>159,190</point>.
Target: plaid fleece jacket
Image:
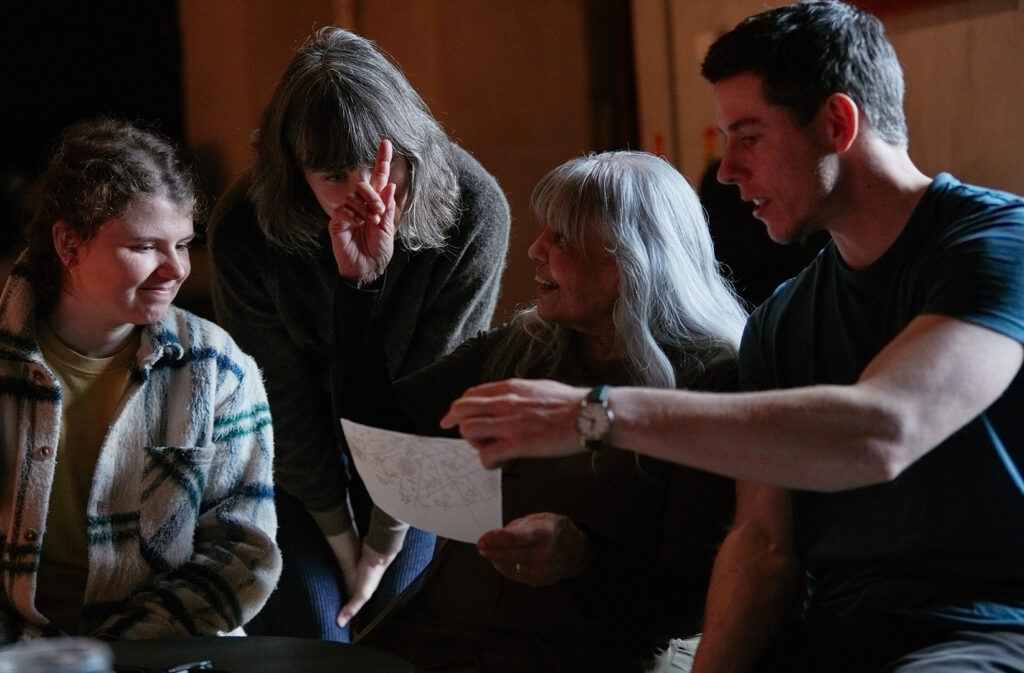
<point>180,519</point>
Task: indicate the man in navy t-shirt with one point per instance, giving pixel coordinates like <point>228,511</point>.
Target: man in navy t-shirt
<point>880,516</point>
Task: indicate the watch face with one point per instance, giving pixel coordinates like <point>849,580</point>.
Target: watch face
<point>593,422</point>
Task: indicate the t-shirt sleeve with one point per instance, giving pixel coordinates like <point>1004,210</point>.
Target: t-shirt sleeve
<point>979,272</point>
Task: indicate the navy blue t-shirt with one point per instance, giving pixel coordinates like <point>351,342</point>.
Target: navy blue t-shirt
<point>945,540</point>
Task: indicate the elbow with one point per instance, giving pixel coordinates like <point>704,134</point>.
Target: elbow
<point>867,463</point>
<point>891,446</point>
<point>873,440</point>
<point>884,463</point>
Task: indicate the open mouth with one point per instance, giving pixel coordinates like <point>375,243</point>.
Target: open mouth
<point>759,204</point>
<point>544,285</point>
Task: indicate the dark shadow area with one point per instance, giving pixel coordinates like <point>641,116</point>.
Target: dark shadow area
<point>66,61</point>
<point>613,76</point>
<point>756,264</point>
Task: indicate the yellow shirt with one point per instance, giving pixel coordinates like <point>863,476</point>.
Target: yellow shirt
<point>92,389</point>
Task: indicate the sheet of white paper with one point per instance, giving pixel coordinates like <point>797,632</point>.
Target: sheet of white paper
<point>432,483</point>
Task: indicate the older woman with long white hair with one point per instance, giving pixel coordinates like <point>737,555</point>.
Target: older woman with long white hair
<point>605,556</point>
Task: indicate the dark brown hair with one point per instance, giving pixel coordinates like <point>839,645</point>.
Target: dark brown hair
<point>99,168</point>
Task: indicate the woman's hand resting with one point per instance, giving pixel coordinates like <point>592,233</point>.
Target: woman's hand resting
<point>362,568</point>
<point>537,549</point>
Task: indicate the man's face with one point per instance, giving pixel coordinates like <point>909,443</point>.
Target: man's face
<point>788,171</point>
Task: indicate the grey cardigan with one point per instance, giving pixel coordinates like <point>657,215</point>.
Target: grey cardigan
<point>277,303</point>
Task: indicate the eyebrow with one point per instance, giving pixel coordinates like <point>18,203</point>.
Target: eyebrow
<point>332,171</point>
<point>157,239</point>
<point>741,123</point>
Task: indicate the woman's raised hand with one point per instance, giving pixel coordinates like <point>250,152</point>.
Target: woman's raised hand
<point>362,229</point>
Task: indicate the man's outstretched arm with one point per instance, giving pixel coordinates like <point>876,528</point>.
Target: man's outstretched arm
<point>933,378</point>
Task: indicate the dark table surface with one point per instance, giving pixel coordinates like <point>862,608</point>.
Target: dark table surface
<point>256,654</point>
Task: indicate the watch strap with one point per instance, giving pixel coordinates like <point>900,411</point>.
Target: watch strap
<point>598,395</point>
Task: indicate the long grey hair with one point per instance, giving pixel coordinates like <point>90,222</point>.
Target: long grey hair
<point>672,295</point>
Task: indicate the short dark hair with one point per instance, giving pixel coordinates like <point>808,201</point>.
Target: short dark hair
<point>808,51</point>
<point>99,168</point>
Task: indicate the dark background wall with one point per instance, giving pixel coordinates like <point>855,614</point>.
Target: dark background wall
<point>66,61</point>
<point>523,86</point>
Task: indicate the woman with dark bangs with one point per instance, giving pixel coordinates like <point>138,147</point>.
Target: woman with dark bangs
<point>274,282</point>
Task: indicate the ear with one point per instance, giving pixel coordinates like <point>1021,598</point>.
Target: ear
<point>65,242</point>
<point>843,120</point>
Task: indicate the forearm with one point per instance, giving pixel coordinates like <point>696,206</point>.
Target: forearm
<point>932,379</point>
<point>815,438</point>
<point>819,438</point>
<point>308,463</point>
<point>223,585</point>
<point>232,543</point>
<point>936,377</point>
<point>386,534</point>
<point>753,594</point>
<point>272,305</point>
<point>756,583</point>
<point>237,526</point>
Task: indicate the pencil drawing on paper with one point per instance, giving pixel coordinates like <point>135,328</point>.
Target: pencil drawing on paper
<point>431,483</point>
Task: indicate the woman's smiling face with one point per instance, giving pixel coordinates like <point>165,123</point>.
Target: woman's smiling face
<point>577,282</point>
<point>131,269</point>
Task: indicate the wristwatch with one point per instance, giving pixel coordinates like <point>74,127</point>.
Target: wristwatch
<point>594,420</point>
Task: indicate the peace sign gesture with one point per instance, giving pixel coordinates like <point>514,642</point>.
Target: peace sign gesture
<point>362,227</point>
